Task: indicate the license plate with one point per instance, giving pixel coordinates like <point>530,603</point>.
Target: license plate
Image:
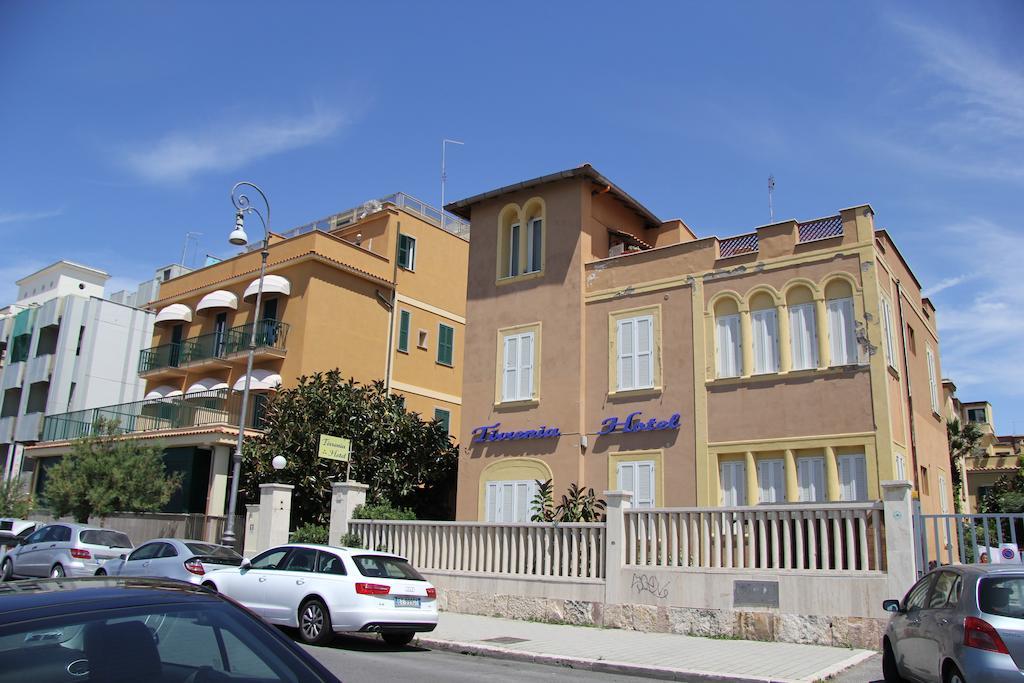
<point>407,602</point>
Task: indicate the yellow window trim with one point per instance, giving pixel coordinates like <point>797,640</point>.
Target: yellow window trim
<point>656,456</point>
<point>499,365</point>
<point>514,214</point>
<point>613,342</point>
<point>510,469</point>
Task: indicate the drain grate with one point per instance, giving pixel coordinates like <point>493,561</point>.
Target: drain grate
<point>504,640</point>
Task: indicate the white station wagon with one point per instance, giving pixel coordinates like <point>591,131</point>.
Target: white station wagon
<point>323,590</point>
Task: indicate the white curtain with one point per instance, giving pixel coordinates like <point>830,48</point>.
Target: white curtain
<point>803,336</point>
<point>842,336</point>
<point>729,352</point>
<point>765,329</point>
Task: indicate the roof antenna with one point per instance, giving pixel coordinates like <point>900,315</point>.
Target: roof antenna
<point>444,172</point>
<point>771,195</point>
<point>190,237</point>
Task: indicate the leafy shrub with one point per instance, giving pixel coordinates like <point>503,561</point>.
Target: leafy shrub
<point>310,533</point>
<point>14,502</point>
<point>382,511</point>
<point>351,540</point>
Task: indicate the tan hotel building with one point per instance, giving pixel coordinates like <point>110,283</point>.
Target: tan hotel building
<point>796,363</point>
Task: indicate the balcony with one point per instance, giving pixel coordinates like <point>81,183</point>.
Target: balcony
<point>13,375</point>
<point>198,409</point>
<point>214,349</point>
<point>39,368</point>
<point>7,429</point>
<point>29,427</point>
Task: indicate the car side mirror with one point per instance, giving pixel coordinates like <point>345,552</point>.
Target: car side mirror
<point>891,606</point>
<point>246,563</point>
<point>122,556</point>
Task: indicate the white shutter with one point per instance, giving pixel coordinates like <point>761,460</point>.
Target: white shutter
<point>803,336</point>
<point>644,352</point>
<point>853,477</point>
<point>644,494</point>
<point>510,383</point>
<point>811,479</point>
<point>492,502</point>
<point>943,502</point>
<point>860,477</point>
<point>734,483</point>
<point>508,502</point>
<point>841,334</point>
<point>730,354</point>
<point>522,513</point>
<point>627,471</point>
<point>525,366</point>
<point>771,481</point>
<point>846,485</point>
<point>625,349</point>
<point>890,344</point>
<point>933,380</point>
<point>766,335</point>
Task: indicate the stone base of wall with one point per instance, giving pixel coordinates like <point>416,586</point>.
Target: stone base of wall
<point>860,632</point>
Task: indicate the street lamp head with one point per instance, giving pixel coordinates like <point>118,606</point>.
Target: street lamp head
<point>238,236</point>
<point>279,462</point>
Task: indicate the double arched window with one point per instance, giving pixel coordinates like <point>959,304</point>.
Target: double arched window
<point>521,239</point>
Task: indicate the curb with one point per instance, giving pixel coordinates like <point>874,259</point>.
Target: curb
<point>612,667</point>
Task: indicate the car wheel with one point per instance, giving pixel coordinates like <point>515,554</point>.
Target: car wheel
<point>57,572</point>
<point>890,672</point>
<point>7,572</point>
<point>953,674</point>
<point>315,623</point>
<point>398,638</point>
<point>101,572</point>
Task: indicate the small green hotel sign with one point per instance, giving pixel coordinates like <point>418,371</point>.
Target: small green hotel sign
<point>334,448</point>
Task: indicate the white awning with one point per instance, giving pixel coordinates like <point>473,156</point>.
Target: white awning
<point>261,380</point>
<point>162,392</point>
<point>218,299</point>
<point>175,313</point>
<point>207,384</point>
<point>272,284</point>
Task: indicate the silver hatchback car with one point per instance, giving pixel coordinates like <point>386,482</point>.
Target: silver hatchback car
<point>958,624</point>
<point>173,558</point>
<point>63,549</point>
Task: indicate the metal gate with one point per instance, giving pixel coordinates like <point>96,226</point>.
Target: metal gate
<point>967,538</point>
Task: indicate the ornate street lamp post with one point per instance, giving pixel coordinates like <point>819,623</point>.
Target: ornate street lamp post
<point>239,238</point>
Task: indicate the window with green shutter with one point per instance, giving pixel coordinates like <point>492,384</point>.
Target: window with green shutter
<point>403,331</point>
<point>444,417</point>
<point>406,252</point>
<point>445,344</point>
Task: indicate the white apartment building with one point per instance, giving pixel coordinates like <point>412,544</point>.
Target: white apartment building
<point>64,347</point>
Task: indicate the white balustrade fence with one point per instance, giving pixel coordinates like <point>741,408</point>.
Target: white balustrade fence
<point>570,550</point>
<point>841,537</point>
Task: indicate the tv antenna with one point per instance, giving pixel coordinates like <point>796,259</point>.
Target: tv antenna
<point>190,238</point>
<point>771,195</point>
<point>444,174</point>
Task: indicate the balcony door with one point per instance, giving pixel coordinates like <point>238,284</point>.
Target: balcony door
<point>219,329</point>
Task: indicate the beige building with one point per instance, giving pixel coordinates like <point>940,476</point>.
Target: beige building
<point>377,291</point>
<point>795,363</point>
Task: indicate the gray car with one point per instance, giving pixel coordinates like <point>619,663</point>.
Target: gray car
<point>958,624</point>
<point>63,549</point>
<point>172,558</point>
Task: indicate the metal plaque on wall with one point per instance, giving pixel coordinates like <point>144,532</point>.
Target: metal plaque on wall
<point>755,593</point>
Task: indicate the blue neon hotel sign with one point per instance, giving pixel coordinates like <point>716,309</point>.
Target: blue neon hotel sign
<point>633,423</point>
<point>489,433</point>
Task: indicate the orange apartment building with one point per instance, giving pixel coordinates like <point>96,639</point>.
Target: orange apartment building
<point>377,291</point>
<point>795,363</point>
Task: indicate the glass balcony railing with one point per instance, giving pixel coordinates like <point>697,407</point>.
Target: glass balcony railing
<point>198,409</point>
<point>270,334</point>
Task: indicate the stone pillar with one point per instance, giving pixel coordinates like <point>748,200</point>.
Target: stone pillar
<point>785,349</point>
<point>753,491</point>
<point>901,556</point>
<point>220,462</point>
<point>831,475</point>
<point>252,520</point>
<point>345,496</point>
<point>746,342</point>
<point>821,323</point>
<point>616,503</point>
<point>792,481</point>
<point>274,517</point>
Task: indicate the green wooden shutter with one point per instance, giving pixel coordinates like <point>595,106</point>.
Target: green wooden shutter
<point>445,344</point>
<point>403,331</point>
<point>444,417</point>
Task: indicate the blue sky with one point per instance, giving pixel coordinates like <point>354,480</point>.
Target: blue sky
<point>124,125</point>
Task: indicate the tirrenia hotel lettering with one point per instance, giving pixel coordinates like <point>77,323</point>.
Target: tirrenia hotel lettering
<point>633,423</point>
<point>490,433</point>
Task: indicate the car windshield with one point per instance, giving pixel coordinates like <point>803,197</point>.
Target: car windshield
<point>111,539</point>
<point>154,642</point>
<point>215,553</point>
<point>1002,596</point>
<point>384,567</point>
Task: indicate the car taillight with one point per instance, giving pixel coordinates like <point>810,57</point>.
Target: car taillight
<point>981,635</point>
<point>80,554</point>
<point>195,566</point>
<point>372,589</point>
<point>432,593</point>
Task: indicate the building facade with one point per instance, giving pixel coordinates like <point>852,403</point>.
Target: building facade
<point>377,291</point>
<point>606,347</point>
<point>64,347</point>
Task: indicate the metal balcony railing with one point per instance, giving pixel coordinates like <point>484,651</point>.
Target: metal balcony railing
<point>197,409</point>
<point>270,334</point>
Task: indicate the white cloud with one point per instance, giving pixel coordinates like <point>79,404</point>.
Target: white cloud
<point>178,156</point>
<point>945,284</point>
<point>26,216</point>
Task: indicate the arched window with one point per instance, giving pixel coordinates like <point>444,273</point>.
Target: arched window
<point>728,340</point>
<point>509,238</point>
<point>803,328</point>
<point>842,334</point>
<point>764,328</point>
<point>533,236</point>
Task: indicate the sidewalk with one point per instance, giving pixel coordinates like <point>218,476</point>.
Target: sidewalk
<point>657,655</point>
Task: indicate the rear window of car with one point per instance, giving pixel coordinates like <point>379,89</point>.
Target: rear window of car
<point>1002,596</point>
<point>215,552</point>
<point>111,539</point>
<point>384,567</point>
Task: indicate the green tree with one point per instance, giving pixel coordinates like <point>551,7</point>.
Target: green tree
<point>14,500</point>
<point>106,473</point>
<point>963,439</point>
<point>407,462</point>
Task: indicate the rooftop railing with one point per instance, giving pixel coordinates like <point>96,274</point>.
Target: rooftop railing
<point>271,334</point>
